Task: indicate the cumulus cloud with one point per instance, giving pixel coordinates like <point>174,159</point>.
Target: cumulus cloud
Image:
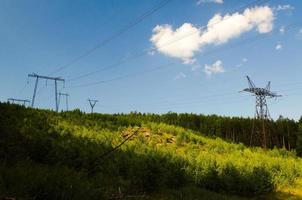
<point>181,75</point>
<point>185,41</point>
<point>215,68</point>
<point>209,1</point>
<point>177,43</point>
<point>284,7</point>
<point>278,47</point>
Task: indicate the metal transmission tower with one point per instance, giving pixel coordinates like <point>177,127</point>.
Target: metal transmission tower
<point>55,79</point>
<point>23,101</point>
<point>92,103</point>
<point>66,95</point>
<point>262,112</point>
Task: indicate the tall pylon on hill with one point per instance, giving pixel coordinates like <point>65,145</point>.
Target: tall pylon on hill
<point>262,113</point>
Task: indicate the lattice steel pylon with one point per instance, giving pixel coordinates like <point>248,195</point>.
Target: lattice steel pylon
<point>262,112</point>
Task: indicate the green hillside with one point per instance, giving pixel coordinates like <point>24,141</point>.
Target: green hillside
<point>48,155</point>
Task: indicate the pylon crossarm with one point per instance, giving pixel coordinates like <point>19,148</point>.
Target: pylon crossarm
<point>23,101</point>
<point>55,79</point>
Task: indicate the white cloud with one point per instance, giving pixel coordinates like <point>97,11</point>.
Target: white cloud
<point>181,75</point>
<point>177,43</point>
<point>284,7</point>
<point>282,29</point>
<point>215,68</point>
<point>209,1</point>
<point>278,47</point>
<point>244,60</point>
<point>300,31</point>
<point>186,40</point>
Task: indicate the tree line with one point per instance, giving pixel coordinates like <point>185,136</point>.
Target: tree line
<point>281,133</point>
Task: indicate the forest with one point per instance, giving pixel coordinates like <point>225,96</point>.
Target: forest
<point>74,155</point>
<point>281,133</point>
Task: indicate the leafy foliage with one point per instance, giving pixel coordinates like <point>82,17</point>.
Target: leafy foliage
<point>47,155</point>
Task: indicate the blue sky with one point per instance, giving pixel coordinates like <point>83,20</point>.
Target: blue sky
<point>201,75</point>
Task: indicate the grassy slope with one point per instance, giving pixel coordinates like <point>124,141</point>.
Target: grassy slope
<point>163,161</point>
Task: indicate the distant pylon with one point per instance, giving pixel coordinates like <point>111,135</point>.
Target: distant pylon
<point>23,101</point>
<point>262,112</point>
<point>66,95</point>
<point>92,103</point>
<point>55,79</point>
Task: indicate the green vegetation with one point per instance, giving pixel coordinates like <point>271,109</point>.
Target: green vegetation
<point>47,155</point>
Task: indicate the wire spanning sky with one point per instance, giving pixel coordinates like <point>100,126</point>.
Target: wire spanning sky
<point>154,56</point>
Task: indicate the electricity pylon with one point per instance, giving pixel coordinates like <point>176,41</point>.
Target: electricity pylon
<point>55,79</point>
<point>66,99</point>
<point>23,101</point>
<point>262,112</point>
<point>92,103</point>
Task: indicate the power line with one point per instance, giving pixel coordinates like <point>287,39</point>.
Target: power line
<point>187,101</point>
<point>105,154</point>
<point>118,146</point>
<point>138,55</point>
<point>138,20</point>
<point>200,100</point>
<point>22,90</point>
<point>117,78</point>
<point>115,35</point>
<point>212,24</point>
<point>203,100</point>
<point>209,102</point>
<point>171,107</point>
<point>47,98</point>
<point>66,95</point>
<point>235,45</point>
<point>55,79</point>
<point>142,53</point>
<point>123,76</point>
